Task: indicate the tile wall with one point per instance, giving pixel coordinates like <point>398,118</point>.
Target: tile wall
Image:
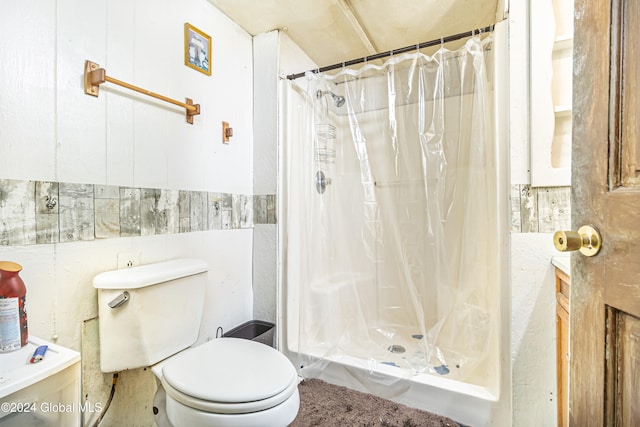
<point>39,212</point>
<point>540,209</point>
<point>42,212</point>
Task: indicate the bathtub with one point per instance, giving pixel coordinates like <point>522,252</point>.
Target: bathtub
<point>376,367</point>
<point>465,403</point>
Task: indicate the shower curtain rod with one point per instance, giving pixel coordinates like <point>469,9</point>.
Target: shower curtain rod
<point>422,45</point>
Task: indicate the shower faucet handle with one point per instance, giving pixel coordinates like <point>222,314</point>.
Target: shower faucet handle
<point>321,182</point>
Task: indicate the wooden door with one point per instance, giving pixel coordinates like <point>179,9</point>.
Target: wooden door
<point>605,289</point>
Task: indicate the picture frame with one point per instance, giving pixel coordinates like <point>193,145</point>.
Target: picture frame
<point>197,49</point>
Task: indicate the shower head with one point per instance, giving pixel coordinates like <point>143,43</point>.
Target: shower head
<point>338,100</point>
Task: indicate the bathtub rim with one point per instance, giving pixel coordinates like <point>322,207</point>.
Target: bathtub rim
<point>463,402</point>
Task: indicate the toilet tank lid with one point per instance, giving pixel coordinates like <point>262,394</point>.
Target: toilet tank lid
<point>149,274</point>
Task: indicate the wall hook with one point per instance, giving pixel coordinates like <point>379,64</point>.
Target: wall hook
<point>227,132</point>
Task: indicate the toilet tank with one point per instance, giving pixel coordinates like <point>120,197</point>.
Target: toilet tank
<point>149,312</point>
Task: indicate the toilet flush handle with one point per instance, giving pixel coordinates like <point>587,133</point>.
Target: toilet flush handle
<point>119,300</point>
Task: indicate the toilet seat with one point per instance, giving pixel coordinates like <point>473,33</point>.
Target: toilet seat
<point>230,376</point>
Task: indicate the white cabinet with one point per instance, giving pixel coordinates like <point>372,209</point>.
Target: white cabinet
<point>551,91</point>
<point>46,393</point>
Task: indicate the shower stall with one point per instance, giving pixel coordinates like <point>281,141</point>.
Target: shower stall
<point>394,230</point>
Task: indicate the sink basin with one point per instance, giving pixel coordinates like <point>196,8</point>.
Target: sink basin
<point>55,380</point>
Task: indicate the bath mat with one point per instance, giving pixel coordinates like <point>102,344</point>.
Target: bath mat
<point>327,405</point>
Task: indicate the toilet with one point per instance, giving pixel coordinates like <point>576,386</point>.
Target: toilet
<point>149,316</point>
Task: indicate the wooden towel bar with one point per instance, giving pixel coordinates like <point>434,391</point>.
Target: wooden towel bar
<point>94,76</point>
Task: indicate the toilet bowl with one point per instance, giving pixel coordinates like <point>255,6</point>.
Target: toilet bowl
<point>227,382</point>
<point>150,315</point>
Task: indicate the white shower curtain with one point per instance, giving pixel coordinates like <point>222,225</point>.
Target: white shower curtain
<point>391,210</point>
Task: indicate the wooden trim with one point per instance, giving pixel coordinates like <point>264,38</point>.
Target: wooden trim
<point>563,302</point>
<point>562,345</point>
<point>611,367</point>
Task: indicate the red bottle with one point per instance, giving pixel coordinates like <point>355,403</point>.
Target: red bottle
<point>14,332</point>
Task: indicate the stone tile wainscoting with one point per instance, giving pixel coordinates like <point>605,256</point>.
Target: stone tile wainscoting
<point>540,209</point>
<point>42,212</point>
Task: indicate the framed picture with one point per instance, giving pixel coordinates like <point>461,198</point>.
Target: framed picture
<point>197,49</point>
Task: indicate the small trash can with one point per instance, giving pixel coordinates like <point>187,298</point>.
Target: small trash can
<point>255,330</point>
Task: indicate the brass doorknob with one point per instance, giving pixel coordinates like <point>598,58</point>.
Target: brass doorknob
<point>587,240</point>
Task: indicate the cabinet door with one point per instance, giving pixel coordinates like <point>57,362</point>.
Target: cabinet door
<point>562,346</point>
<point>551,92</point>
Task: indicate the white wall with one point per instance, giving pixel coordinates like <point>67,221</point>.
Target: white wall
<point>51,131</point>
<point>275,56</point>
<point>265,82</point>
<point>533,337</point>
<point>533,330</point>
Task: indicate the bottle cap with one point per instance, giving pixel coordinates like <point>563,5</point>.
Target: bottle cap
<point>10,266</point>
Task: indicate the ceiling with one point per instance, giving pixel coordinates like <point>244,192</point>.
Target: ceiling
<point>335,31</point>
